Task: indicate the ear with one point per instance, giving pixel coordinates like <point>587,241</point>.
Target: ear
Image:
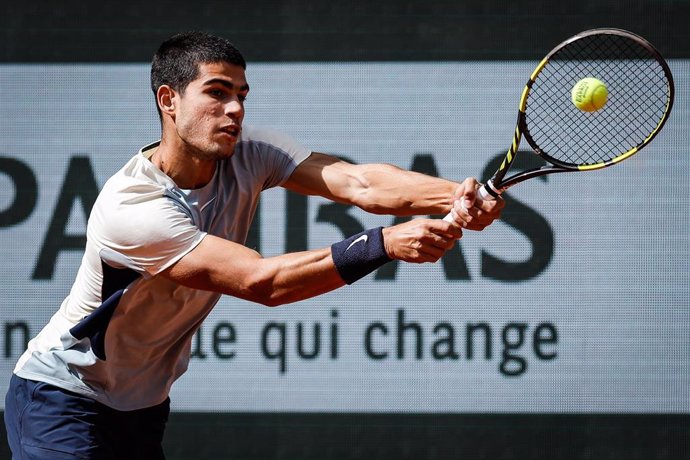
<point>165,97</point>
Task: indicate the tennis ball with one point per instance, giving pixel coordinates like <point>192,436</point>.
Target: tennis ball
<point>589,94</point>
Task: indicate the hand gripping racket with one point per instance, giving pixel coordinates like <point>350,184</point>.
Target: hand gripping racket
<point>640,97</point>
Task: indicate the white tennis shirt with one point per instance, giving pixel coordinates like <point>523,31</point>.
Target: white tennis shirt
<point>123,335</point>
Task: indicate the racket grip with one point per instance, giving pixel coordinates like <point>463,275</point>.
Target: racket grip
<point>482,194</point>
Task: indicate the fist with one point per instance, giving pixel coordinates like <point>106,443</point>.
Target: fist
<point>469,211</point>
<point>420,240</point>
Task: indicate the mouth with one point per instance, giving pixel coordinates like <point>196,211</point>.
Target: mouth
<point>231,130</point>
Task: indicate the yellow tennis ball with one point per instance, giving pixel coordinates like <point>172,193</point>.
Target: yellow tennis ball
<point>589,94</point>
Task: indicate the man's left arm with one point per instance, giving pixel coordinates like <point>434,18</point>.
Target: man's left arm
<point>387,189</point>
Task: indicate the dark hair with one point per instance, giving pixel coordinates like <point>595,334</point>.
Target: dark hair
<point>176,63</point>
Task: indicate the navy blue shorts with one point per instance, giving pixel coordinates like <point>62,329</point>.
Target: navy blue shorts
<point>49,423</point>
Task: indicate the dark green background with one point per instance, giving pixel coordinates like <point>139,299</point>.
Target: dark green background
<point>385,30</point>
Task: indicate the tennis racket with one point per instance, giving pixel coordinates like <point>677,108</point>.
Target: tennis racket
<point>640,98</point>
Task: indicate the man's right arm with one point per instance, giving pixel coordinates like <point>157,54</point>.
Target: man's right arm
<point>222,266</point>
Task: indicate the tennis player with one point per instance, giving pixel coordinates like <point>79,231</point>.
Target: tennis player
<point>165,241</point>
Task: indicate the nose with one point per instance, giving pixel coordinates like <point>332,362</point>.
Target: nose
<point>234,108</point>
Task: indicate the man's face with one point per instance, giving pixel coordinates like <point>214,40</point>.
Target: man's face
<point>208,116</point>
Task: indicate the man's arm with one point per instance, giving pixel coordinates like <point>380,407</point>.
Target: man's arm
<point>387,189</point>
<point>223,266</point>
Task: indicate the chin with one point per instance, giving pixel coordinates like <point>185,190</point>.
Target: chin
<point>228,152</point>
<point>220,152</point>
<point>227,148</point>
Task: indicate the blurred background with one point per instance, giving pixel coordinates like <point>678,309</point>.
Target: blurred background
<point>561,332</point>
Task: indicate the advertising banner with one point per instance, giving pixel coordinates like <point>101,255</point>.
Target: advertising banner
<point>576,301</point>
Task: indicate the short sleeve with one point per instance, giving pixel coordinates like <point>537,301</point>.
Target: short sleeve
<point>149,233</point>
<point>279,154</point>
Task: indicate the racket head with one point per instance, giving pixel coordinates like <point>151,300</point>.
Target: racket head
<point>640,97</point>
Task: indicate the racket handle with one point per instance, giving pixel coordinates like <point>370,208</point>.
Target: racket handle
<point>449,217</point>
<point>483,194</point>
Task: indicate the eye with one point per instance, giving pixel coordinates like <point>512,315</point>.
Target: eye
<point>242,97</point>
<point>217,93</point>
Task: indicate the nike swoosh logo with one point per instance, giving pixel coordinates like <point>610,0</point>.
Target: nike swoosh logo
<point>361,238</point>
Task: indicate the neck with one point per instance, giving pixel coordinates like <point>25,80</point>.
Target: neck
<point>186,169</point>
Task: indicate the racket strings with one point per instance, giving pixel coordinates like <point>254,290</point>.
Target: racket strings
<point>638,97</point>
